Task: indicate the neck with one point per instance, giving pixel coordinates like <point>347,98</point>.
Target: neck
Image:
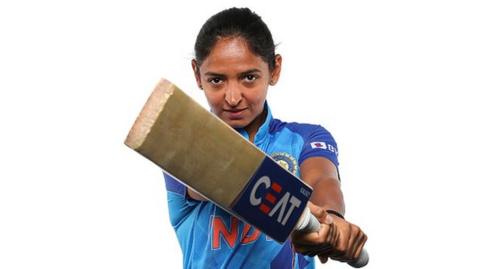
<point>253,127</point>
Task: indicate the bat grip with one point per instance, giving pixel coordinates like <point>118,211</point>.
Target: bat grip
<point>309,223</point>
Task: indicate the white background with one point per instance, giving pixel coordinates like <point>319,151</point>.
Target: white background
<point>395,82</point>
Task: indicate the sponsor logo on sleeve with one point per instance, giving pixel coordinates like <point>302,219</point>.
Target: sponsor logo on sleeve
<point>323,145</point>
<point>318,145</point>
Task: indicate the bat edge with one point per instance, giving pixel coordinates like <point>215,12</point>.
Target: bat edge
<point>148,115</point>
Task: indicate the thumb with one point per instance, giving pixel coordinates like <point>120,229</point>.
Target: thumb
<point>320,213</point>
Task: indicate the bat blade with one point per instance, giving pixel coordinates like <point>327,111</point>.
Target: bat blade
<point>206,154</point>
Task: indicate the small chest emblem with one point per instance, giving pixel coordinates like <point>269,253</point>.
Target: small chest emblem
<point>287,161</point>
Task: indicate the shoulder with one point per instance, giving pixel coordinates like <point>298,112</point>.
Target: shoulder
<point>305,130</point>
<point>316,140</point>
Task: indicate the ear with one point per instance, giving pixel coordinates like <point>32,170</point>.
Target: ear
<point>196,72</point>
<point>276,70</point>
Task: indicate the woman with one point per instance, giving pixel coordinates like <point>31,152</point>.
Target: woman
<point>235,63</point>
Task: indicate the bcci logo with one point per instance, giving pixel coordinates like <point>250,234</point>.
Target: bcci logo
<point>286,161</point>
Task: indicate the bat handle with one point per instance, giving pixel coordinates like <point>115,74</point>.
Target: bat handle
<point>309,223</point>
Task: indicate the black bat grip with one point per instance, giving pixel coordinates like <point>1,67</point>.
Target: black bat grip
<point>310,224</point>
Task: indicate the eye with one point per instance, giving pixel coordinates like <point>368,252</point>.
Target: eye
<point>215,80</point>
<point>250,78</point>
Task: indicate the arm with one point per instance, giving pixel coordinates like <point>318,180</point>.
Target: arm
<point>322,175</point>
<point>194,195</point>
<point>339,239</point>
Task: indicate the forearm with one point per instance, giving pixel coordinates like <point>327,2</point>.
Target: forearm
<point>328,194</point>
<point>322,175</point>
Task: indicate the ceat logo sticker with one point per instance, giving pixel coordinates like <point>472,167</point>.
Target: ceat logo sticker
<point>273,202</point>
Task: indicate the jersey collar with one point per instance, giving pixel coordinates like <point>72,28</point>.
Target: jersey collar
<point>262,132</point>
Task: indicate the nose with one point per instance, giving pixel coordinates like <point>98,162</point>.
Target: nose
<point>233,95</point>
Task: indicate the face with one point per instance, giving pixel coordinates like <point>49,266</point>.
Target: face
<point>235,82</point>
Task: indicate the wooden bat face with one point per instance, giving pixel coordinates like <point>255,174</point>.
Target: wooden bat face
<point>204,153</point>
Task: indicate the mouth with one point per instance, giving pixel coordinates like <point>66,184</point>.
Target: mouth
<point>234,114</point>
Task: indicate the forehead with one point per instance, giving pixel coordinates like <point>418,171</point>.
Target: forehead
<point>232,55</point>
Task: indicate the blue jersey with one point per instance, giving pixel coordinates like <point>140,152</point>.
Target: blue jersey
<point>211,238</point>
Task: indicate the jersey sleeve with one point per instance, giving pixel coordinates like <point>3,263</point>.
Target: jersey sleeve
<point>318,142</point>
<point>179,204</point>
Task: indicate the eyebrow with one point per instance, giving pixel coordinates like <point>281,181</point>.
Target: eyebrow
<point>214,74</point>
<point>249,71</point>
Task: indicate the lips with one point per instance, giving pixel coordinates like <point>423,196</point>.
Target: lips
<point>235,114</point>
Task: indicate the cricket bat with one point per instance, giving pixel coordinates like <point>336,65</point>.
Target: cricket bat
<point>204,153</point>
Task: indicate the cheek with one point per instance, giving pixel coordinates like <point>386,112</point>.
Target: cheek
<point>257,99</point>
<point>213,99</point>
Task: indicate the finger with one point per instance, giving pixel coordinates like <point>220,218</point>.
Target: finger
<point>339,252</point>
<point>321,249</point>
<point>309,238</point>
<point>324,250</point>
<point>324,235</point>
<point>353,241</point>
<point>334,235</point>
<point>342,241</point>
<point>320,213</point>
<point>357,246</point>
<point>331,235</point>
<point>360,246</point>
<point>314,252</point>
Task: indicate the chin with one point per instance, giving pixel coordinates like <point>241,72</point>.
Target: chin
<point>237,124</point>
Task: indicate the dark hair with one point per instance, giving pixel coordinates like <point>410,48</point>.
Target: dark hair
<point>241,22</point>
